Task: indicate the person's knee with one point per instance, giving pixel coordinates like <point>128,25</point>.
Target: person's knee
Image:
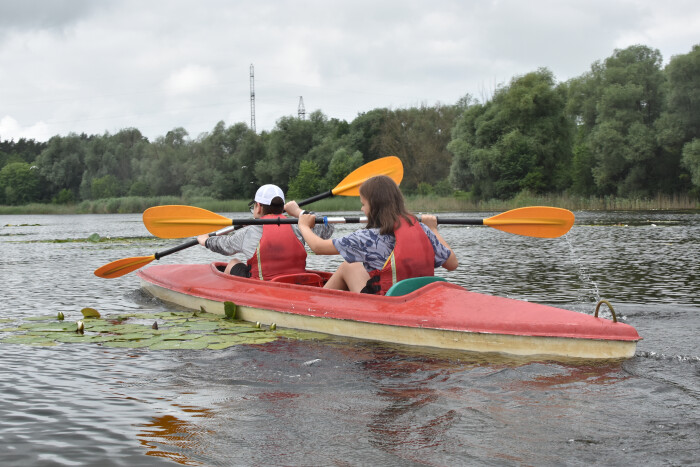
<point>231,264</point>
<point>240,269</point>
<point>345,266</point>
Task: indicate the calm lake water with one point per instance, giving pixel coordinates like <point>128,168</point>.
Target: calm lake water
<point>349,402</point>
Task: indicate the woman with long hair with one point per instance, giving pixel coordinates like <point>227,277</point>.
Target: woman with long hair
<point>393,246</point>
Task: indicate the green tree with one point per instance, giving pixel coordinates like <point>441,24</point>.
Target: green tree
<point>342,163</point>
<point>582,182</point>
<point>691,160</point>
<point>444,188</point>
<point>620,129</point>
<point>419,137</point>
<point>286,146</point>
<point>207,167</point>
<point>163,168</point>
<point>22,150</point>
<point>65,196</point>
<point>105,187</point>
<point>425,189</point>
<point>679,124</point>
<point>683,73</point>
<point>139,188</point>
<point>117,155</point>
<point>19,183</point>
<point>62,163</point>
<point>521,140</point>
<point>365,131</point>
<point>306,183</point>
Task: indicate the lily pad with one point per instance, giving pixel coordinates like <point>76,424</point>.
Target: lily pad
<point>203,326</point>
<point>177,330</point>
<point>74,338</point>
<point>90,313</point>
<point>127,344</point>
<point>48,327</point>
<point>196,344</point>
<point>27,339</point>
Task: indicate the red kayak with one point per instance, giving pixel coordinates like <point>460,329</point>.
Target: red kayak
<point>438,314</point>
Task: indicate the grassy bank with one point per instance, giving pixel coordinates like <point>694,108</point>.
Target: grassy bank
<point>573,203</point>
<point>430,203</point>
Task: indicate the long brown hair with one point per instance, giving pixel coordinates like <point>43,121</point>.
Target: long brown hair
<point>386,204</point>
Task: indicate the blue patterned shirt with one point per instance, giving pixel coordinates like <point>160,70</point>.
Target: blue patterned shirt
<point>373,249</point>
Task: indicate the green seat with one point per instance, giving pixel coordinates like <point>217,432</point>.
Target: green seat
<point>407,286</point>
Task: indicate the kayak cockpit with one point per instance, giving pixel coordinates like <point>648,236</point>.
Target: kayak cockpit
<point>309,278</point>
<point>312,278</point>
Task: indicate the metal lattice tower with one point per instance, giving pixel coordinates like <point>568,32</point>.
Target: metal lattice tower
<point>252,99</point>
<point>302,110</point>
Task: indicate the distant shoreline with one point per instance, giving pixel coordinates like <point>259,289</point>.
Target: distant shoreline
<point>415,203</point>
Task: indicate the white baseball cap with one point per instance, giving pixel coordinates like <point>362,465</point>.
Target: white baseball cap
<point>267,193</point>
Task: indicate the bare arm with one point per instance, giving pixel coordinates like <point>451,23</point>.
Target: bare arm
<point>316,243</point>
<point>202,239</point>
<point>431,221</point>
<point>325,231</point>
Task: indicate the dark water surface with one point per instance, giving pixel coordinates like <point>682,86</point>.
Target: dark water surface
<point>349,402</point>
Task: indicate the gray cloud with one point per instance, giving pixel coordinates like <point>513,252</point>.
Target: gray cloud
<point>45,14</point>
<point>86,66</point>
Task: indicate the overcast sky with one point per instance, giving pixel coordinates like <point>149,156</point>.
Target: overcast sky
<point>97,66</point>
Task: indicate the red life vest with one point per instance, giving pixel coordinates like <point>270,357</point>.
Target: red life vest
<point>279,252</point>
<point>413,256</point>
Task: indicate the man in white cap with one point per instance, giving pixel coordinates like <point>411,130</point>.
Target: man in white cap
<point>270,250</point>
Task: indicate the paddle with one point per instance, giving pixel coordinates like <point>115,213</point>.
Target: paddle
<point>534,221</point>
<point>390,166</point>
<point>172,222</point>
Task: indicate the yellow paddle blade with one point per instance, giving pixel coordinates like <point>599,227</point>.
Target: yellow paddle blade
<point>390,166</point>
<point>176,221</point>
<point>123,266</point>
<point>534,221</point>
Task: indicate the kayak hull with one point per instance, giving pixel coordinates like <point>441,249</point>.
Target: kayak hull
<point>440,315</point>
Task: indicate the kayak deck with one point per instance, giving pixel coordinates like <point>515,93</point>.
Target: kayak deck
<point>440,314</point>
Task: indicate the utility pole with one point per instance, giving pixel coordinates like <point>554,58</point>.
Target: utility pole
<point>252,99</point>
<point>302,110</point>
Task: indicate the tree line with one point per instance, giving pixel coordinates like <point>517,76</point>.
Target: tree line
<point>629,127</point>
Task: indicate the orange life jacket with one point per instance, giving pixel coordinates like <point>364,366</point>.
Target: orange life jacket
<point>413,256</point>
<point>279,252</point>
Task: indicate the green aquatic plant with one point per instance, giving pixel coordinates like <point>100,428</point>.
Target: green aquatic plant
<point>90,313</point>
<point>95,238</point>
<point>230,310</point>
<point>171,330</point>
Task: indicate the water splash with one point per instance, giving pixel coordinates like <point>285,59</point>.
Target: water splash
<point>660,356</point>
<point>590,287</point>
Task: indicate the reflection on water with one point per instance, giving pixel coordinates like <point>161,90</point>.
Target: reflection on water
<point>169,437</point>
<point>350,402</point>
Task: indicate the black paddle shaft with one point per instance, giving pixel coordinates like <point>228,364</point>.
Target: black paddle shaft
<point>175,249</point>
<point>444,221</point>
<point>327,194</point>
<point>338,220</point>
<point>293,220</point>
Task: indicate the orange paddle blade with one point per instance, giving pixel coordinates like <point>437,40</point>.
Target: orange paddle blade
<point>390,166</point>
<point>123,266</point>
<point>176,221</point>
<point>534,221</point>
